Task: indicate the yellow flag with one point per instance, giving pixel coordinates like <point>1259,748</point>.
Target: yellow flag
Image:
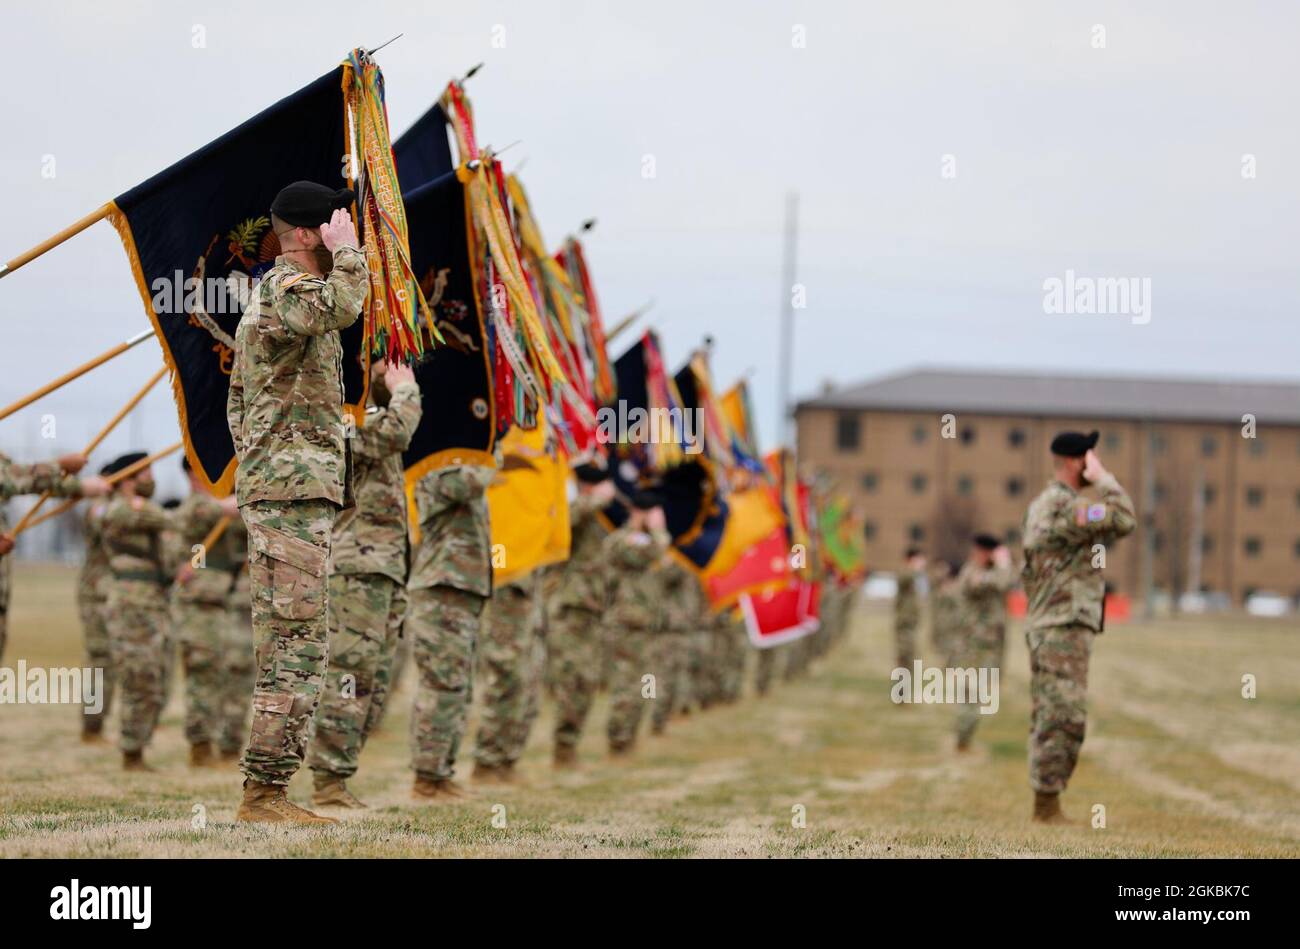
<point>528,503</point>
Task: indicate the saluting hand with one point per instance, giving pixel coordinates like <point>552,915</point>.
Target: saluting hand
<point>72,463</point>
<point>339,231</point>
<point>1093,469</point>
<point>396,374</point>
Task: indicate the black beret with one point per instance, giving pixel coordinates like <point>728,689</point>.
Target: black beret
<point>591,474</point>
<point>647,498</point>
<point>171,504</point>
<point>124,461</point>
<point>1074,444</point>
<point>307,204</point>
<point>986,541</point>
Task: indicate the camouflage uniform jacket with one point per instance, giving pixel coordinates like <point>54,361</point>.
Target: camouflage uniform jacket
<point>582,583</point>
<point>907,604</point>
<point>133,530</point>
<point>285,407</point>
<point>455,547</point>
<point>681,597</point>
<point>193,521</point>
<point>1060,529</point>
<point>95,568</point>
<point>636,586</point>
<point>16,479</point>
<point>947,617</point>
<point>372,537</point>
<point>984,600</point>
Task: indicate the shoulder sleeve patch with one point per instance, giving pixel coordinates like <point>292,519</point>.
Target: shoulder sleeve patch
<point>292,281</point>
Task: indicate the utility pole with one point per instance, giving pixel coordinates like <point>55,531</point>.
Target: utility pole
<point>785,420</point>
<point>1148,537</point>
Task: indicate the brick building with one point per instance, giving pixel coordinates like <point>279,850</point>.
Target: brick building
<point>930,455</point>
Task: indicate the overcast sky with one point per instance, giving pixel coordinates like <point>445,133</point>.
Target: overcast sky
<point>1122,161</point>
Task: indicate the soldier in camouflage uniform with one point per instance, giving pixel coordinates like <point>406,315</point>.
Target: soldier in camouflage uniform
<point>237,669</point>
<point>137,605</point>
<point>983,584</point>
<point>576,613</point>
<point>765,668</point>
<point>91,597</point>
<point>945,610</point>
<point>285,410</point>
<point>451,580</point>
<point>505,668</point>
<point>16,479</point>
<point>907,609</point>
<point>367,587</point>
<point>732,642</point>
<point>198,609</point>
<point>670,647</point>
<point>1066,607</point>
<point>635,614</point>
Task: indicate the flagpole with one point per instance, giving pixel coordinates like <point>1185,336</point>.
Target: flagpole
<point>81,370</point>
<point>52,242</point>
<point>94,442</point>
<point>784,427</point>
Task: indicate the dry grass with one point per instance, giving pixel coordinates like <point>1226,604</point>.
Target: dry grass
<point>1182,763</point>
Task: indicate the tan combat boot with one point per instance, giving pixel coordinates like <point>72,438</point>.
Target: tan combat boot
<point>492,774</point>
<point>566,756</point>
<point>1047,808</point>
<point>332,792</point>
<point>92,736</point>
<point>201,755</point>
<point>267,803</point>
<point>443,789</point>
<point>134,761</point>
<point>229,756</point>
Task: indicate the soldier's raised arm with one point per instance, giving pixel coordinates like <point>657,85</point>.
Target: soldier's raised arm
<point>235,406</point>
<point>1098,522</point>
<point>391,428</point>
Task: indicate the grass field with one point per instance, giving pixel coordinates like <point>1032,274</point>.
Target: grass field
<point>1184,765</point>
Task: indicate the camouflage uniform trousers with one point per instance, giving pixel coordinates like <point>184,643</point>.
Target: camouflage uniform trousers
<point>575,645</point>
<point>629,649</point>
<point>6,584</point>
<point>94,630</point>
<point>401,659</point>
<point>236,679</point>
<point>289,545</point>
<point>136,613</point>
<point>904,643</point>
<point>766,667</point>
<point>703,680</point>
<point>1058,664</point>
<point>443,624</point>
<point>199,626</point>
<point>507,670</point>
<point>668,658</point>
<point>732,650</point>
<point>982,652</point>
<point>365,619</point>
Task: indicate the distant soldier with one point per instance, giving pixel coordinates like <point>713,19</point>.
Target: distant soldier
<point>198,609</point>
<point>451,581</point>
<point>92,594</point>
<point>285,410</point>
<point>635,613</point>
<point>137,605</point>
<point>576,613</point>
<point>16,479</point>
<point>983,584</point>
<point>766,665</point>
<point>907,608</point>
<point>945,610</point>
<point>237,661</point>
<point>1064,534</point>
<point>505,663</point>
<point>732,642</point>
<point>671,645</point>
<point>367,586</point>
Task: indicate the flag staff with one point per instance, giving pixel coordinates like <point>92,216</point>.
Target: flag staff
<point>75,373</point>
<point>786,355</point>
<point>50,243</point>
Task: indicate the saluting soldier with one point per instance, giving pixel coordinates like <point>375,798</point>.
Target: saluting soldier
<point>286,418</point>
<point>983,584</point>
<point>945,610</point>
<point>367,586</point>
<point>1066,594</point>
<point>907,608</point>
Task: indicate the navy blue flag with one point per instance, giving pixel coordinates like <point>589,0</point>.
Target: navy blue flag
<point>423,152</point>
<point>199,236</point>
<point>458,424</point>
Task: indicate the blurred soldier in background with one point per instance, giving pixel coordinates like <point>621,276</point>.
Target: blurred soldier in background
<point>670,646</point>
<point>983,584</point>
<point>451,580</point>
<point>91,596</point>
<point>237,659</point>
<point>576,613</point>
<point>1063,537</point>
<point>506,666</point>
<point>907,608</point>
<point>945,611</point>
<point>367,586</point>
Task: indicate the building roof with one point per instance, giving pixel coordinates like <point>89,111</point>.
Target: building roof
<point>1120,397</point>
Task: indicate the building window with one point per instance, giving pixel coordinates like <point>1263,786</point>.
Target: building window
<point>1016,438</point>
<point>1254,496</point>
<point>1158,443</point>
<point>869,530</point>
<point>1111,441</point>
<point>1158,491</point>
<point>1253,546</point>
<point>1011,536</point>
<point>1296,549</point>
<point>916,533</point>
<point>1211,492</point>
<point>1256,447</point>
<point>1209,446</point>
<point>965,485</point>
<point>919,433</point>
<point>1297,499</point>
<point>1158,542</point>
<point>870,481</point>
<point>848,431</point>
<point>919,481</point>
<point>1207,543</point>
<point>1015,487</point>
<point>968,435</point>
